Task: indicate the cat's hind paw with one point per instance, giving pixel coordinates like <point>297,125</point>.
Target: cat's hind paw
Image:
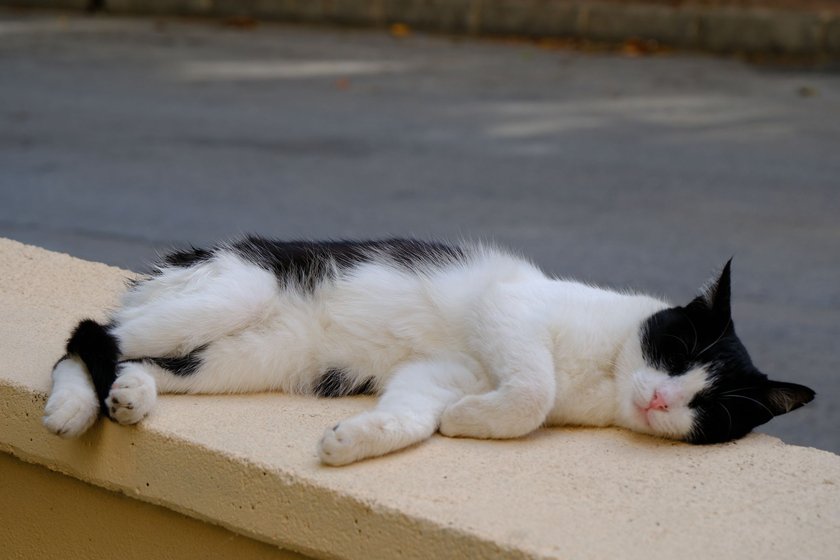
<point>72,407</point>
<point>133,394</point>
<point>70,411</point>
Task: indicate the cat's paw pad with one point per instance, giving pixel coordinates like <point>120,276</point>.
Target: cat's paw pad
<point>132,396</point>
<point>70,411</point>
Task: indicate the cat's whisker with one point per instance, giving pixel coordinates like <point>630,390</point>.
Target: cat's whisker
<point>728,415</point>
<point>681,341</point>
<point>762,405</point>
<point>696,337</point>
<point>719,338</point>
<point>732,391</point>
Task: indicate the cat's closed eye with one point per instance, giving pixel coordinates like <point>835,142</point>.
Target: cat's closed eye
<point>669,345</point>
<point>675,352</point>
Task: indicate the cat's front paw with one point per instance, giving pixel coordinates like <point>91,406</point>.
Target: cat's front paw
<point>465,418</point>
<point>132,396</point>
<point>336,447</point>
<point>366,435</point>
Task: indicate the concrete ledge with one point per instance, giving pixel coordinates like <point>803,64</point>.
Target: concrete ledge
<point>770,28</point>
<point>49,515</point>
<point>248,463</point>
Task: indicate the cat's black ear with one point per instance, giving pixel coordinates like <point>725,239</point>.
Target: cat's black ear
<point>716,295</point>
<point>781,397</point>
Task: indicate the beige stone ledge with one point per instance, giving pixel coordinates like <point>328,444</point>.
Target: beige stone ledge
<point>49,515</point>
<point>248,464</point>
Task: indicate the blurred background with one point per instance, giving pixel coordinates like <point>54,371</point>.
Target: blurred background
<point>629,157</point>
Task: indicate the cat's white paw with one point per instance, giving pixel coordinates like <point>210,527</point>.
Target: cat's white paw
<point>132,396</point>
<point>366,435</point>
<point>336,447</point>
<point>465,418</point>
<point>71,410</point>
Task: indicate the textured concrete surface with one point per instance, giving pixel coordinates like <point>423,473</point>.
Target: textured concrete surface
<point>119,138</point>
<point>49,515</point>
<point>248,463</point>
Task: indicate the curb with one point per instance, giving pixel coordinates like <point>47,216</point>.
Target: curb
<point>709,28</point>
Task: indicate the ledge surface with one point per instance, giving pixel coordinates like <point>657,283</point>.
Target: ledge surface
<point>248,463</point>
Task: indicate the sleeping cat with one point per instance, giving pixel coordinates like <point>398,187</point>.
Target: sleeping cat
<point>467,340</point>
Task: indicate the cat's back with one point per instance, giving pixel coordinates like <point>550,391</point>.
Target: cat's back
<point>429,293</point>
<point>395,280</point>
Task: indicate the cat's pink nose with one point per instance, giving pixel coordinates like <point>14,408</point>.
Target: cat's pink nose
<point>657,402</point>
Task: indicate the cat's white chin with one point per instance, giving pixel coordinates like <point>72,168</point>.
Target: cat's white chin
<point>675,425</point>
<point>635,418</point>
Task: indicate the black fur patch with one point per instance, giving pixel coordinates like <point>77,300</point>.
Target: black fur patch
<point>740,401</point>
<point>178,365</point>
<point>99,351</point>
<point>187,257</point>
<point>181,365</point>
<point>675,340</point>
<point>307,263</point>
<point>679,338</point>
<point>337,383</point>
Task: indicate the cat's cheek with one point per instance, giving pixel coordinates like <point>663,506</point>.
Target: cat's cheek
<point>635,418</point>
<point>676,423</point>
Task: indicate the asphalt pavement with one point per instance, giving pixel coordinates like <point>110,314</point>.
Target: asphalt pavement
<point>120,138</point>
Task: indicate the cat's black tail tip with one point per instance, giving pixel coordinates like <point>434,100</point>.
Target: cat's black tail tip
<point>99,350</point>
<point>87,335</point>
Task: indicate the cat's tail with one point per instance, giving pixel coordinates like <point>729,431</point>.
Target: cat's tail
<point>82,380</point>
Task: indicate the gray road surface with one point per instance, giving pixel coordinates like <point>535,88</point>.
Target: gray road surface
<point>119,138</point>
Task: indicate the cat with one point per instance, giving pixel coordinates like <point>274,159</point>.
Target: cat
<point>468,340</point>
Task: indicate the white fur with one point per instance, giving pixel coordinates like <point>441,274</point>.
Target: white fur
<point>488,347</point>
<point>72,407</point>
<point>133,394</point>
<point>184,308</point>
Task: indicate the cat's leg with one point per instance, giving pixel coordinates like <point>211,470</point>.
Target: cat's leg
<point>515,351</point>
<point>72,406</point>
<point>510,411</point>
<point>183,309</point>
<point>134,392</point>
<point>167,318</point>
<point>408,412</point>
<point>127,389</point>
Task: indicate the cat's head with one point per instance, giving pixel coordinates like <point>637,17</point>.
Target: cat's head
<point>693,379</point>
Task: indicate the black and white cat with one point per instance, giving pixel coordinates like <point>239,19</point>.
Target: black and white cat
<point>467,340</point>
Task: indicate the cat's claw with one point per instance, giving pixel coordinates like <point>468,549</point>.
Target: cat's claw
<point>132,395</point>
